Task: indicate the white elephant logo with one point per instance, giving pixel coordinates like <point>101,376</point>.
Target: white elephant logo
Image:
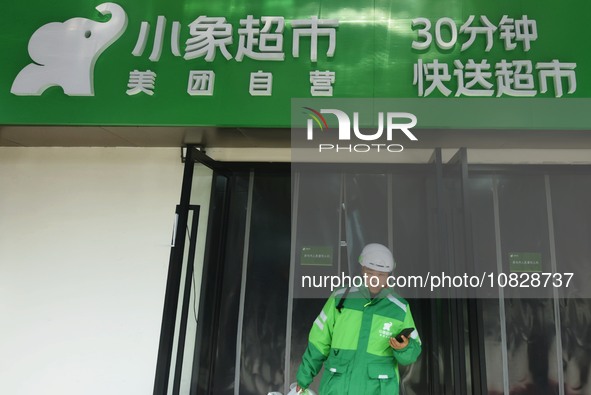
<point>65,53</point>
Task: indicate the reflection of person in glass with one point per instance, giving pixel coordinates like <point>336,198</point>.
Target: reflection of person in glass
<point>354,337</point>
<point>576,345</point>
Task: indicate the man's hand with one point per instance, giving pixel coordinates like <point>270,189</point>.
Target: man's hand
<point>299,389</point>
<point>396,345</point>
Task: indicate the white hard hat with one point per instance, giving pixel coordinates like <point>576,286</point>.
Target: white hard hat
<point>377,257</point>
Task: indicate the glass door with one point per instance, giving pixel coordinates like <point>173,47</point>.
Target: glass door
<point>237,321</point>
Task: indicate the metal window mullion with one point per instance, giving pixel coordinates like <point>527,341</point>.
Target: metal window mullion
<point>342,212</point>
<point>294,228</point>
<point>502,316</point>
<point>243,284</point>
<point>557,321</point>
<point>390,213</point>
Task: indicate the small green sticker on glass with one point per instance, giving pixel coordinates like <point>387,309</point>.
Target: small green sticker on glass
<point>316,256</point>
<point>525,262</point>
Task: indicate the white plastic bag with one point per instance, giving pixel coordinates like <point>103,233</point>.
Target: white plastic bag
<point>293,391</point>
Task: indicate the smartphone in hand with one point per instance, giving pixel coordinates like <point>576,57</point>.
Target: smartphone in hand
<point>405,332</point>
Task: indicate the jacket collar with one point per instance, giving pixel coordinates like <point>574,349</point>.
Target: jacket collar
<point>382,294</point>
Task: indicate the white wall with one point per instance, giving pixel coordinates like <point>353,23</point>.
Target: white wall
<point>84,249</point>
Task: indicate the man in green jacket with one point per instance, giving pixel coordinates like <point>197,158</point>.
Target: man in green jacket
<point>354,335</point>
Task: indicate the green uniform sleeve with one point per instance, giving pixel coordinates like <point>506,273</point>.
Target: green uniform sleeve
<point>411,352</point>
<point>319,343</point>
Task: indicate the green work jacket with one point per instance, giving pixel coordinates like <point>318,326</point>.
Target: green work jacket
<point>354,344</point>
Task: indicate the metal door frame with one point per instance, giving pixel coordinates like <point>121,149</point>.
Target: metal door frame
<point>213,253</point>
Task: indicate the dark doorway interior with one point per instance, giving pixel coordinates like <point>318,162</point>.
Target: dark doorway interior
<point>254,324</point>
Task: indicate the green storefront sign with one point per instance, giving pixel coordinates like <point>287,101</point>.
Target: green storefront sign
<point>228,63</point>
